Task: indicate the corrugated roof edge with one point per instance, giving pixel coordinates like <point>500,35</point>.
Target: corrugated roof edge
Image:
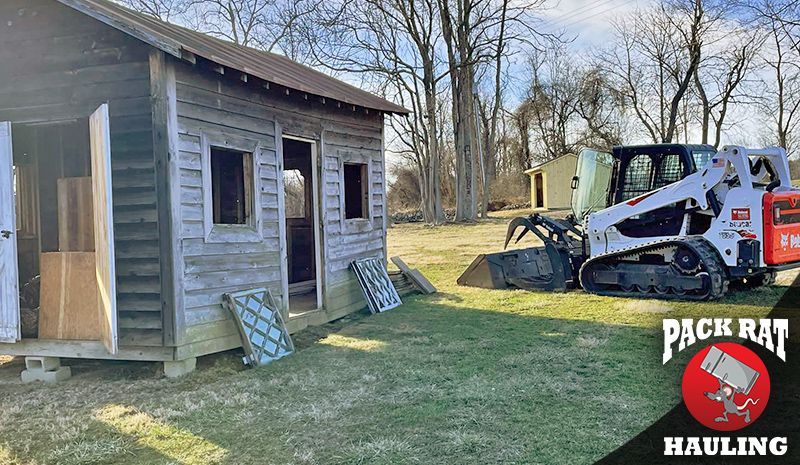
<point>542,165</point>
<point>114,15</point>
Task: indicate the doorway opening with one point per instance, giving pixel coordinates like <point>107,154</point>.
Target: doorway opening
<point>56,254</point>
<point>302,219</point>
<point>54,225</point>
<point>538,182</point>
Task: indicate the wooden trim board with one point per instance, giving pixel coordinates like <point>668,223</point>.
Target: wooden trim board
<point>86,349</point>
<point>165,155</point>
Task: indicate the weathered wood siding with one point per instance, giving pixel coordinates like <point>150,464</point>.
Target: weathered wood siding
<point>208,112</point>
<point>58,64</point>
<point>348,240</point>
<point>224,106</point>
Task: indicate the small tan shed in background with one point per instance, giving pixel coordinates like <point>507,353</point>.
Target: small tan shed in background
<point>550,183</point>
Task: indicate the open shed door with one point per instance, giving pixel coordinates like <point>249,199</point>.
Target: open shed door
<point>9,285</point>
<point>100,135</point>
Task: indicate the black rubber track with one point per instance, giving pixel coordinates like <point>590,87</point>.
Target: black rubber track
<point>715,284</point>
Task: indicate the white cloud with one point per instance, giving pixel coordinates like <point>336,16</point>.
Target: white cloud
<point>588,21</point>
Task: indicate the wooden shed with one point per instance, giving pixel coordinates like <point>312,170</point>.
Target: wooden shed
<point>550,183</point>
<point>147,169</point>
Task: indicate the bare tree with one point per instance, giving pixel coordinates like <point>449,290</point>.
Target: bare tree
<point>405,58</point>
<point>552,101</point>
<point>457,25</point>
<point>719,79</point>
<point>654,60</point>
<point>236,20</point>
<point>490,118</point>
<point>601,108</point>
<point>270,25</point>
<point>472,30</point>
<point>161,9</point>
<point>779,101</point>
<point>521,121</point>
<point>785,14</point>
<point>569,105</point>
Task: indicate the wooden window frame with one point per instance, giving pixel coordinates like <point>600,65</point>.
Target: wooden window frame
<point>251,231</point>
<point>355,225</point>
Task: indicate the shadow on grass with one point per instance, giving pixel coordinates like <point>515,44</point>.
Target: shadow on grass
<point>445,384</point>
<point>778,420</point>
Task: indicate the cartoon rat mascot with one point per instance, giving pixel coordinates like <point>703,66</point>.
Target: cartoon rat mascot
<point>725,395</point>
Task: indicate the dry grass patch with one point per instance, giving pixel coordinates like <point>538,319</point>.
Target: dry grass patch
<point>590,342</point>
<point>178,445</point>
<point>347,342</point>
<point>643,306</point>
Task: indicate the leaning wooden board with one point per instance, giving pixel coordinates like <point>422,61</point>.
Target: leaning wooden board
<point>68,297</point>
<point>415,276</point>
<point>105,270</point>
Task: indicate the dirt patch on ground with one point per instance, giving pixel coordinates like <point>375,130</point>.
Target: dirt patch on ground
<point>643,306</point>
<point>787,278</point>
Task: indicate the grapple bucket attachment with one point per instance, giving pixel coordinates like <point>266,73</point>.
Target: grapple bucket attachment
<point>535,268</point>
<point>552,267</point>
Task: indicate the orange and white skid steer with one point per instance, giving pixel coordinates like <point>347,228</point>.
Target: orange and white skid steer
<point>664,221</point>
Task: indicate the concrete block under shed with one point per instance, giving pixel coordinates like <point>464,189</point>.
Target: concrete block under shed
<point>42,363</point>
<point>46,369</point>
<point>179,367</point>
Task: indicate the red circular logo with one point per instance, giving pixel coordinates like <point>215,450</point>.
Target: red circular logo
<point>726,386</point>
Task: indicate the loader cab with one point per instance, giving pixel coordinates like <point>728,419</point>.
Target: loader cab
<point>639,169</point>
<point>643,169</point>
<point>603,178</point>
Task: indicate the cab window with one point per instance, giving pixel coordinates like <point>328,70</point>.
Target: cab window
<point>670,169</point>
<point>638,177</point>
<point>701,157</point>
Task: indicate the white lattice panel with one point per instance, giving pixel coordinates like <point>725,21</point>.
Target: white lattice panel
<point>264,334</point>
<point>376,285</point>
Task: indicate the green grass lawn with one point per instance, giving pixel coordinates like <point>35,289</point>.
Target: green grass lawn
<point>463,376</point>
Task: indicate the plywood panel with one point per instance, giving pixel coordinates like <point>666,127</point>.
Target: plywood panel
<point>75,215</point>
<point>69,298</point>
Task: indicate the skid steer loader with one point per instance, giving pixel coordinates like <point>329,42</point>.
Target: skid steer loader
<point>665,221</point>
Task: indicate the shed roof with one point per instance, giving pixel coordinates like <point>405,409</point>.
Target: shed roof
<point>540,166</point>
<point>270,67</point>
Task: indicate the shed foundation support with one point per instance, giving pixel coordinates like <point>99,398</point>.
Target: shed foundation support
<point>179,367</point>
<point>47,369</point>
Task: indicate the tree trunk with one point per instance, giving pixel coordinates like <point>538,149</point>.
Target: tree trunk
<point>706,107</point>
<point>461,85</point>
<point>466,146</point>
<point>433,184</point>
